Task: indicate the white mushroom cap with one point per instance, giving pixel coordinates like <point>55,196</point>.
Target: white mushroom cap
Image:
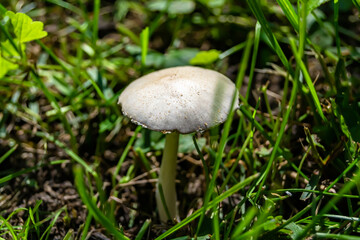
<point>183,99</point>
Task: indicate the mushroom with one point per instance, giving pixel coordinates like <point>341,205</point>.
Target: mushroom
<point>177,100</point>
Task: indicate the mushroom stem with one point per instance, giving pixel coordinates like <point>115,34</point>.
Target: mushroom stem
<point>167,178</point>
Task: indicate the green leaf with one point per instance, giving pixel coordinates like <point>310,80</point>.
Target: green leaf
<point>155,60</point>
<point>2,10</point>
<point>348,116</point>
<point>121,9</point>
<point>106,125</point>
<point>313,4</point>
<point>213,3</point>
<point>179,57</point>
<point>356,3</point>
<point>186,143</point>
<point>181,7</point>
<point>314,180</point>
<point>205,57</point>
<point>296,229</point>
<point>8,55</point>
<point>25,28</point>
<point>172,7</point>
<point>271,224</point>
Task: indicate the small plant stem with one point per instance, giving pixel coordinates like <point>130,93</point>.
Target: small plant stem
<point>167,178</point>
<point>96,21</point>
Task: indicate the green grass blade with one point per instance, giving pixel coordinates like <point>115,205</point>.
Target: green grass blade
<point>215,221</point>
<point>231,222</point>
<point>279,137</point>
<point>244,60</point>
<point>27,228</point>
<point>232,50</point>
<point>326,191</point>
<point>336,23</point>
<point>257,125</point>
<point>307,80</point>
<point>163,202</point>
<point>95,21</point>
<point>32,219</point>
<point>255,231</point>
<point>66,5</point>
<point>232,170</point>
<point>253,59</point>
<point>97,88</point>
<point>8,153</point>
<point>206,170</point>
<point>9,227</point>
<point>341,217</point>
<point>65,66</point>
<point>54,103</point>
<point>124,154</point>
<point>329,205</point>
<point>2,9</point>
<point>27,170</point>
<point>245,222</point>
<point>143,229</point>
<point>144,41</point>
<point>357,4</point>
<point>69,152</point>
<point>121,28</point>
<point>91,206</point>
<point>256,9</point>
<point>302,30</point>
<point>145,162</point>
<point>290,13</point>
<point>85,231</point>
<point>52,223</point>
<point>237,187</point>
<point>224,136</point>
<point>336,236</point>
<point>69,235</point>
<point>300,190</point>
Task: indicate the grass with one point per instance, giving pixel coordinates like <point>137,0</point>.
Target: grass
<point>285,165</point>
